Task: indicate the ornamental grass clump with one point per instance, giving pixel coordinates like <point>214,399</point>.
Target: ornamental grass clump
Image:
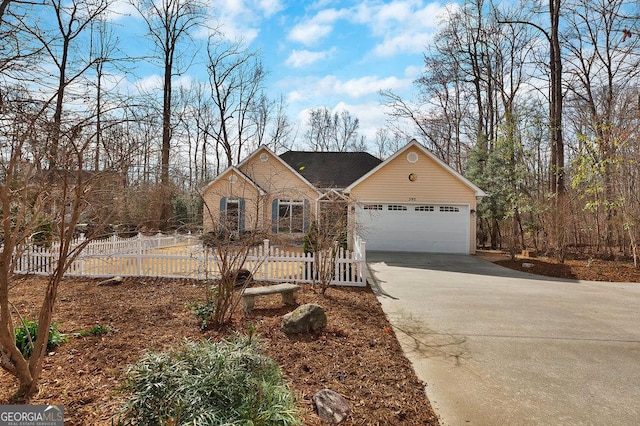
<point>209,383</point>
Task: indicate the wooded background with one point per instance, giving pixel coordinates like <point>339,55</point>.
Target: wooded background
<point>537,103</point>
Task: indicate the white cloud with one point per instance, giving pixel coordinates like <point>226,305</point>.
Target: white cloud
<point>401,26</point>
<point>319,90</point>
<point>154,82</point>
<point>270,7</point>
<point>403,43</point>
<point>149,83</point>
<point>301,58</point>
<point>405,26</point>
<point>412,71</point>
<point>241,19</point>
<point>311,31</point>
<point>359,87</point>
<point>403,17</point>
<point>370,114</point>
<point>120,9</point>
<point>295,96</point>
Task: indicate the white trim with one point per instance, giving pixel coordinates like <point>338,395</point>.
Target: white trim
<point>414,143</point>
<point>337,193</point>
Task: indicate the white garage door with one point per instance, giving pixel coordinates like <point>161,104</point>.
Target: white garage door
<point>432,228</point>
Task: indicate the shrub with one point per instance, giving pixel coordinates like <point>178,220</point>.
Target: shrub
<point>99,330</point>
<point>30,329</point>
<point>96,330</point>
<point>204,312</point>
<point>207,383</point>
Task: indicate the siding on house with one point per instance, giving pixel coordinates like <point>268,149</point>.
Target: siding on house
<point>277,180</point>
<point>273,176</point>
<point>242,189</point>
<point>433,183</point>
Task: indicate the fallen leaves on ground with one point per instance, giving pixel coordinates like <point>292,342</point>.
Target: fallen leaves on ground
<point>575,268</point>
<point>357,355</point>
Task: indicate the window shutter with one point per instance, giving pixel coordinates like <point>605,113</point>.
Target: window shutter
<point>274,216</point>
<point>306,216</point>
<point>223,211</point>
<point>242,215</point>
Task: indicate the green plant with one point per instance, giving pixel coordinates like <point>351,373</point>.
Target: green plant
<point>96,330</point>
<point>204,312</point>
<point>26,336</point>
<point>227,382</point>
<point>99,330</point>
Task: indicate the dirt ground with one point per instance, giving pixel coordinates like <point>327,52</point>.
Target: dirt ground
<point>574,268</point>
<point>357,355</point>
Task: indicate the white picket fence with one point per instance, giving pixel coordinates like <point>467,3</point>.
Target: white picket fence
<point>179,257</point>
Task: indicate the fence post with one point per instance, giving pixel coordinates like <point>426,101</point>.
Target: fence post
<point>139,257</point>
<point>362,261</point>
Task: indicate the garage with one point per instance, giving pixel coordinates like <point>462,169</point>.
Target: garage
<point>436,228</point>
<point>413,201</point>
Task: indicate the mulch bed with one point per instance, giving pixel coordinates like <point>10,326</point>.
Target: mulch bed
<point>357,355</point>
<point>573,268</point>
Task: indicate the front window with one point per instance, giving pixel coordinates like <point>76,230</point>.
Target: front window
<point>232,215</point>
<point>290,216</point>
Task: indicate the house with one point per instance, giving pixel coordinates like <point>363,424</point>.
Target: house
<point>412,201</point>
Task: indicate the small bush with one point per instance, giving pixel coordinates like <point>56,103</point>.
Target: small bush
<point>96,330</point>
<point>227,382</point>
<point>30,328</point>
<point>204,312</point>
<point>99,330</point>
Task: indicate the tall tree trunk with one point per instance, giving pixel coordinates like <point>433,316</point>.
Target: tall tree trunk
<point>555,118</point>
<point>165,214</point>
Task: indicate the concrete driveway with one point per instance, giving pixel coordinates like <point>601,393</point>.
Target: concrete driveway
<point>501,347</point>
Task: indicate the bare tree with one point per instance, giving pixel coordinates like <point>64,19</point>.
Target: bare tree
<point>72,20</point>
<point>332,132</point>
<point>104,43</point>
<point>327,240</point>
<point>236,76</point>
<point>34,200</point>
<point>388,142</point>
<point>273,126</point>
<point>170,23</point>
<point>4,4</point>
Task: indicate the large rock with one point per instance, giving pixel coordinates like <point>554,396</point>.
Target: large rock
<point>304,319</point>
<point>331,406</point>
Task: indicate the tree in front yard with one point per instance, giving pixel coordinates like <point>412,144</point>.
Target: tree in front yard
<point>45,189</point>
<point>40,206</point>
<point>233,231</point>
<point>326,238</point>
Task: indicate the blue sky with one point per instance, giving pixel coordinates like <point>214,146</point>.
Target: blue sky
<point>334,54</point>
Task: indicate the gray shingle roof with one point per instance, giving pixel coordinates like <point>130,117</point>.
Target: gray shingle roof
<point>331,169</point>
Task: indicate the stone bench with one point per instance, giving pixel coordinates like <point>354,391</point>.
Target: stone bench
<point>287,290</point>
